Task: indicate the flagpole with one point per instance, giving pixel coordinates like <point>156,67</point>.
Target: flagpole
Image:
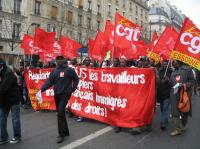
<point>167,67</point>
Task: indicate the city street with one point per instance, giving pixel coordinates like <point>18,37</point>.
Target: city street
<point>39,131</point>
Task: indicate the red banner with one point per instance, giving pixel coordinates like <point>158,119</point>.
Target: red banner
<point>187,48</point>
<point>34,81</point>
<point>117,96</point>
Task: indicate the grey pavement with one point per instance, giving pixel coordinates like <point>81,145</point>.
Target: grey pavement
<point>39,131</point>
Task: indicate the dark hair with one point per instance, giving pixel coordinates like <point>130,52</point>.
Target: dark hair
<point>59,57</point>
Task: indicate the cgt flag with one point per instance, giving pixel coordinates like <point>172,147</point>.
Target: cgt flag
<point>27,45</point>
<point>187,48</point>
<point>125,32</point>
<point>69,47</point>
<point>44,40</point>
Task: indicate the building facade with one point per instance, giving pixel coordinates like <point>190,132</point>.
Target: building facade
<point>162,14</point>
<point>77,19</point>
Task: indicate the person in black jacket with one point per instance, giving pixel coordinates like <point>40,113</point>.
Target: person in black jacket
<point>9,100</point>
<point>65,81</point>
<point>163,93</point>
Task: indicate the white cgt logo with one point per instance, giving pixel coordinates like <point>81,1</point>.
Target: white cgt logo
<point>56,45</point>
<point>131,34</point>
<point>194,42</point>
<point>31,44</point>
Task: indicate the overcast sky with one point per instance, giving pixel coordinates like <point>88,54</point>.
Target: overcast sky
<point>191,8</point>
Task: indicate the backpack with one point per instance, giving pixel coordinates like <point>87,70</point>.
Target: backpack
<point>184,101</point>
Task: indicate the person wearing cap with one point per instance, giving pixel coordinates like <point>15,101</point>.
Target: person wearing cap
<point>65,81</point>
<point>9,101</point>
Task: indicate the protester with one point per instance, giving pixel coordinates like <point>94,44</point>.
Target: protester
<point>123,64</point>
<point>163,93</point>
<point>65,81</point>
<point>86,63</point>
<point>9,100</point>
<point>182,75</point>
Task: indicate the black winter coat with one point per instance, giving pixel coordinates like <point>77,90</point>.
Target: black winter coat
<point>9,89</point>
<point>64,79</point>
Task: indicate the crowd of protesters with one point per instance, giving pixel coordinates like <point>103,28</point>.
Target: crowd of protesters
<point>167,73</point>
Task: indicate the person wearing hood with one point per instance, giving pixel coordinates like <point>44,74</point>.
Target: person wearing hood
<point>65,81</point>
<point>9,100</point>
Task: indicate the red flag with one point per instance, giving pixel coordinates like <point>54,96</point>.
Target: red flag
<point>166,43</point>
<point>90,46</point>
<point>153,41</point>
<point>98,52</point>
<point>69,47</point>
<point>109,34</point>
<point>44,40</point>
<point>151,52</point>
<point>27,45</point>
<point>138,49</point>
<point>47,56</point>
<point>187,48</point>
<point>125,32</point>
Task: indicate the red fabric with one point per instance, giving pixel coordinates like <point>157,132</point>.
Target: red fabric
<point>125,32</point>
<point>117,96</point>
<point>187,48</point>
<point>153,41</point>
<point>108,35</point>
<point>138,49</point>
<point>98,52</point>
<point>44,40</point>
<point>90,46</point>
<point>69,47</point>
<point>28,45</point>
<point>166,43</point>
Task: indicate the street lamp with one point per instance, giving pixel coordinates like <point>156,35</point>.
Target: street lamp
<point>32,24</point>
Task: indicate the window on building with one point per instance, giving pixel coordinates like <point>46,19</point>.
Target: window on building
<point>89,23</point>
<point>69,17</point>
<point>80,4</point>
<point>142,15</point>
<point>37,7</point>
<point>16,30</point>
<point>117,2</point>
<point>98,9</point>
<point>17,6</point>
<point>136,10</point>
<point>98,24</point>
<point>51,28</point>
<point>54,12</point>
<point>131,7</point>
<point>79,37</point>
<point>1,48</point>
<point>80,20</point>
<point>0,5</point>
<point>89,5</point>
<point>1,28</point>
<point>124,4</point>
<point>123,13</point>
<point>70,2</point>
<point>109,10</point>
<point>69,34</point>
